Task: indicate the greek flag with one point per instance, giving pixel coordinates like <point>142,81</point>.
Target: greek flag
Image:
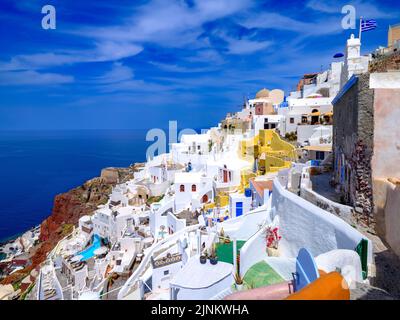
<point>367,25</point>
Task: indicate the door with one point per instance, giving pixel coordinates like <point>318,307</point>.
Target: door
<point>225,176</point>
<point>204,199</point>
<point>239,209</point>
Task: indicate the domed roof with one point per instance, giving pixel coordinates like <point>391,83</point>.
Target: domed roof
<point>264,93</point>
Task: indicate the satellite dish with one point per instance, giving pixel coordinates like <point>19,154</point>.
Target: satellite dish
<point>338,55</point>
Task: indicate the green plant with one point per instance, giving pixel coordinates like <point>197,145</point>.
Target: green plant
<point>251,285</point>
<point>210,145</point>
<point>213,252</point>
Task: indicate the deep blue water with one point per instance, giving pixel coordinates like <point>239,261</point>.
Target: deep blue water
<point>37,165</point>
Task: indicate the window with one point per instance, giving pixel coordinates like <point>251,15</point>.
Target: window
<point>182,188</point>
<point>193,188</point>
<point>320,155</point>
<point>291,120</point>
<point>166,272</point>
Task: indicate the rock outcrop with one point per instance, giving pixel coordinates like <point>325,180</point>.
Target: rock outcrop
<point>68,208</point>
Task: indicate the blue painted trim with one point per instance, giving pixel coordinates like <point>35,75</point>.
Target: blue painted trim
<point>352,81</point>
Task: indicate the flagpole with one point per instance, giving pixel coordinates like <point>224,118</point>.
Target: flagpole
<point>359,34</point>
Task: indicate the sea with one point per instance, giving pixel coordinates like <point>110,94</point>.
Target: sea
<point>35,166</point>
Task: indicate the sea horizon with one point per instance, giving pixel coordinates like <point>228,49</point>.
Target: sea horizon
<point>114,148</point>
<point>43,163</point>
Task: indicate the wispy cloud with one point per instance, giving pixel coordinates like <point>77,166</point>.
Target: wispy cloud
<point>181,68</point>
<point>32,78</point>
<point>245,46</point>
<point>363,8</point>
<point>117,73</point>
<point>277,21</point>
<point>167,23</point>
<point>104,51</point>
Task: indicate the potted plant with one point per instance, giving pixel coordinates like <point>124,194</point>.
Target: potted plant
<point>238,281</point>
<point>272,240</point>
<point>203,258</point>
<point>222,236</point>
<point>213,256</point>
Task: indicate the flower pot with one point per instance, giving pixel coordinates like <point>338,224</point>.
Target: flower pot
<point>214,261</point>
<point>272,252</point>
<point>203,259</point>
<point>239,287</point>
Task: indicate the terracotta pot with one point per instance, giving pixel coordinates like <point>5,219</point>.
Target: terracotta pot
<point>272,252</point>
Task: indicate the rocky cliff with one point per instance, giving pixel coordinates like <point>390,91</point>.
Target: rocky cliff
<point>68,208</point>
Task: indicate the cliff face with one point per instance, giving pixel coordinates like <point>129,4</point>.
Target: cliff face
<point>68,208</point>
<point>84,200</point>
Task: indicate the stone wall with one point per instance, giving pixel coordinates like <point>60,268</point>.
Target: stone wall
<point>353,145</point>
<point>384,63</point>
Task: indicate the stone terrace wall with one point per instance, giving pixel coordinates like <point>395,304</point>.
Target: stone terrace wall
<point>353,139</point>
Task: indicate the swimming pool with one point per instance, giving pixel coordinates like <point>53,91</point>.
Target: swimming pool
<point>89,252</point>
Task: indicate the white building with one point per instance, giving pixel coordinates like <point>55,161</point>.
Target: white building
<point>111,223</point>
<point>239,204</point>
<point>354,63</point>
<point>191,189</point>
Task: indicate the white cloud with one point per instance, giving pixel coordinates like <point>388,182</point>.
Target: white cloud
<point>206,56</point>
<point>30,77</point>
<point>104,51</point>
<point>363,8</point>
<point>168,23</point>
<point>118,73</point>
<point>181,68</point>
<point>243,46</point>
<point>277,21</point>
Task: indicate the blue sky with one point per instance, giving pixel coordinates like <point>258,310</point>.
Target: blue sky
<point>137,64</point>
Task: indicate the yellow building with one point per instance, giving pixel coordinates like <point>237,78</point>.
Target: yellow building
<point>269,150</point>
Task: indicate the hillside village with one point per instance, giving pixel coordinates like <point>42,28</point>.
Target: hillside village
<point>304,179</point>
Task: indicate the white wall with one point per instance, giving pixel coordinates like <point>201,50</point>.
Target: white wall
<point>175,224</point>
<point>206,293</point>
<point>159,280</point>
<point>243,227</point>
<point>303,224</point>
<point>304,132</point>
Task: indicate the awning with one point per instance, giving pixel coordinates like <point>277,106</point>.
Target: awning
<point>327,148</point>
<point>329,114</point>
<point>317,113</point>
<point>314,95</point>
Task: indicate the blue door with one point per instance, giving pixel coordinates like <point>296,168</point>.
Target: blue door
<point>239,209</point>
